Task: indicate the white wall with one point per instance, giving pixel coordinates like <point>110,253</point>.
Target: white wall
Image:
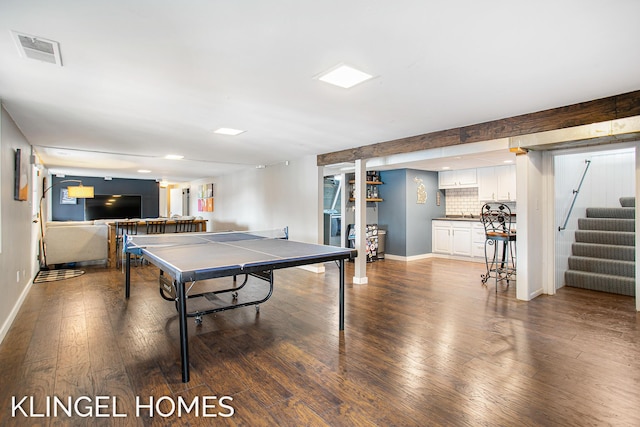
<point>260,199</point>
<point>18,263</point>
<point>611,175</point>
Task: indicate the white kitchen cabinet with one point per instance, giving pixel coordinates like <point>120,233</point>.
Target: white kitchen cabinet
<point>506,180</point>
<point>461,238</point>
<point>441,241</point>
<point>478,240</point>
<point>487,184</point>
<point>447,179</point>
<point>462,178</point>
<point>451,237</point>
<point>497,183</point>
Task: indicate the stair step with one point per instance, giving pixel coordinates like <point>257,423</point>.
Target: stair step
<point>607,224</point>
<point>624,213</point>
<point>618,252</point>
<point>602,265</point>
<point>600,282</point>
<point>627,201</point>
<point>606,237</point>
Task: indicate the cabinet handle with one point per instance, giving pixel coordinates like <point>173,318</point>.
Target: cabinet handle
<point>493,196</point>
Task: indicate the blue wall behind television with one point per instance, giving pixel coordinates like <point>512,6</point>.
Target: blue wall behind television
<point>148,189</point>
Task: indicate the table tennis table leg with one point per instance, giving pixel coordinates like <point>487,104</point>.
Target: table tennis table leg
<point>342,295</point>
<point>127,276</point>
<point>184,344</point>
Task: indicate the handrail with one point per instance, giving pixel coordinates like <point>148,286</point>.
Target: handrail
<point>575,196</point>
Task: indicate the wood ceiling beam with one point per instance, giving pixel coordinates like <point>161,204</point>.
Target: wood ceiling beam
<point>599,110</point>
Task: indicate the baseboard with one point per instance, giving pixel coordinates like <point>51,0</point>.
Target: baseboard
<point>432,255</point>
<point>14,312</point>
<point>408,258</point>
<point>460,258</point>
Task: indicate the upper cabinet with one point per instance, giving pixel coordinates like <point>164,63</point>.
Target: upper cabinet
<point>463,178</point>
<point>497,183</point>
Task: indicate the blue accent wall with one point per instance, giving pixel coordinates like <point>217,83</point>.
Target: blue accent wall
<point>407,222</point>
<point>420,215</point>
<point>392,212</point>
<point>148,189</point>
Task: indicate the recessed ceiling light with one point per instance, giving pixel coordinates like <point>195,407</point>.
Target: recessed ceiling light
<point>444,168</point>
<point>507,161</point>
<point>144,171</point>
<point>174,157</point>
<point>344,76</point>
<point>228,131</point>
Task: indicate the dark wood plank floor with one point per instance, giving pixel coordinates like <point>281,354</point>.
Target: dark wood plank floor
<point>425,344</point>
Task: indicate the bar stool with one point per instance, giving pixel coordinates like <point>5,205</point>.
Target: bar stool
<point>156,226</point>
<point>185,225</point>
<point>123,228</point>
<point>501,264</point>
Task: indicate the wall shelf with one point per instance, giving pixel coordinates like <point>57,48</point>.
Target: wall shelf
<point>351,199</point>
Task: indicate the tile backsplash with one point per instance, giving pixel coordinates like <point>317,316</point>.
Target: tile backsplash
<point>459,200</point>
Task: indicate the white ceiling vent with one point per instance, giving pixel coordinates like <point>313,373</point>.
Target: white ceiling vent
<point>37,48</point>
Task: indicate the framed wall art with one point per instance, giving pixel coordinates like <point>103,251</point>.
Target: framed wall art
<point>21,176</point>
<point>205,198</point>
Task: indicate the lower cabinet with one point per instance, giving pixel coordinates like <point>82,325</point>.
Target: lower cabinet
<point>478,238</point>
<point>441,240</point>
<point>461,239</point>
<point>451,237</point>
<point>458,238</point>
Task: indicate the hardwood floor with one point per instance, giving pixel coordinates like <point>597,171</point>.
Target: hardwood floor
<point>425,344</point>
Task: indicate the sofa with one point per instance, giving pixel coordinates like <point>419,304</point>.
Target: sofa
<point>76,241</point>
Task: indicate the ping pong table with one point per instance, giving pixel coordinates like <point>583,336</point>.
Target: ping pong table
<point>185,258</point>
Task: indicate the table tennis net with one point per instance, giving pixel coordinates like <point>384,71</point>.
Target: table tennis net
<point>179,239</point>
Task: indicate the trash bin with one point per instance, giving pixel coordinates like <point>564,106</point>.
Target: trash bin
<point>382,235</point>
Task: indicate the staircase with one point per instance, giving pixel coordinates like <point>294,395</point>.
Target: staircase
<point>603,255</point>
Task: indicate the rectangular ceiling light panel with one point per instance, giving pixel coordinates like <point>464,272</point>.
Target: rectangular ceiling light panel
<point>228,131</point>
<point>37,48</point>
<point>344,76</point>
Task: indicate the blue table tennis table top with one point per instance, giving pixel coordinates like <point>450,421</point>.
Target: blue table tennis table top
<point>199,256</point>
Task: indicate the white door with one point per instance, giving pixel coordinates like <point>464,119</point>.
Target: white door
<point>175,201</point>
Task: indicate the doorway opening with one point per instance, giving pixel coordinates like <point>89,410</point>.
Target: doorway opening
<point>595,221</point>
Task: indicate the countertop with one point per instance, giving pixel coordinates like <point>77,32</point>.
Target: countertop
<point>475,218</point>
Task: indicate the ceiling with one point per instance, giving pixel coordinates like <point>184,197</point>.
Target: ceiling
<point>143,79</point>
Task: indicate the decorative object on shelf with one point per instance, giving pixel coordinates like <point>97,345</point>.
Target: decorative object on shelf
<point>422,192</point>
<point>205,198</point>
<point>372,183</point>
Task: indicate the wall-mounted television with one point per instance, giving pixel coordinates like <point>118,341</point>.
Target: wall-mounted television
<point>110,206</point>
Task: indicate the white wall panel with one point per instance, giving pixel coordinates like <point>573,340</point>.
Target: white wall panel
<point>260,199</point>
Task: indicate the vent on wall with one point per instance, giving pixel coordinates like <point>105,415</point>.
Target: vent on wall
<point>37,48</point>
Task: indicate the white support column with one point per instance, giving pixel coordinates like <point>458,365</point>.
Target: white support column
<point>360,272</point>
<point>529,242</point>
<point>344,194</point>
<point>549,227</point>
<point>637,228</point>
